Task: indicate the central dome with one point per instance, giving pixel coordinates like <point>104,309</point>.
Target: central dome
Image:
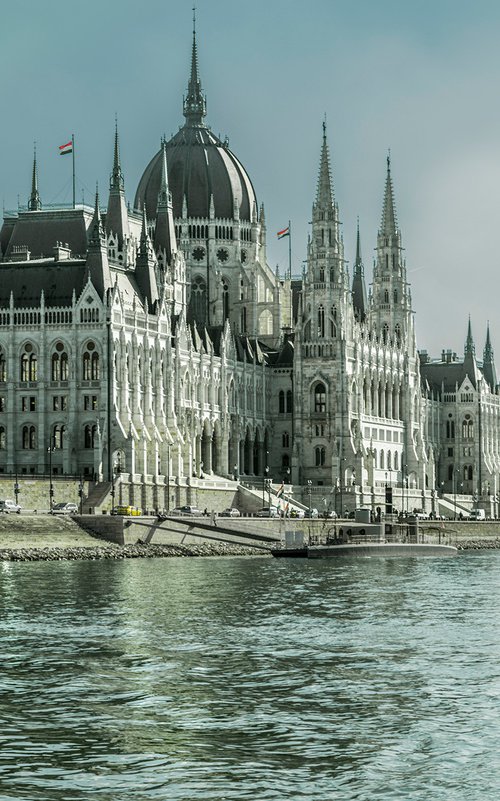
<point>200,167</point>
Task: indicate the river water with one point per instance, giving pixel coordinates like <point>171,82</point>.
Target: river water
<point>251,678</point>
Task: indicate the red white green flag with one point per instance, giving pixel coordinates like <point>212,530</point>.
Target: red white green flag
<point>67,148</point>
<point>284,232</point>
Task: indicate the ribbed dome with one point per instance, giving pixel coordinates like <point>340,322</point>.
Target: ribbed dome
<point>199,165</point>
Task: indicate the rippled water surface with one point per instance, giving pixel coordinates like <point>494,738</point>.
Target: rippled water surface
<point>251,679</point>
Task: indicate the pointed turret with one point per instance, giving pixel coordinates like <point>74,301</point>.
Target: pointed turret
<point>359,298</point>
<point>470,364</point>
<point>117,215</point>
<point>34,203</point>
<point>389,226</point>
<point>97,253</point>
<point>195,107</point>
<point>165,242</point>
<point>145,266</point>
<point>470,348</point>
<point>489,370</point>
<point>324,194</point>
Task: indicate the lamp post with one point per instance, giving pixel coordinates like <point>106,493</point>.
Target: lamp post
<point>168,478</point>
<point>113,488</point>
<point>16,489</point>
<point>288,475</point>
<point>309,486</point>
<point>80,494</point>
<point>51,486</point>
<point>235,472</point>
<point>264,477</point>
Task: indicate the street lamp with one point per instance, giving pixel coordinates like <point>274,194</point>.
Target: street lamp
<point>264,477</point>
<point>80,494</point>
<point>16,490</point>
<point>235,472</point>
<point>288,475</point>
<point>309,486</point>
<point>51,486</point>
<point>168,478</point>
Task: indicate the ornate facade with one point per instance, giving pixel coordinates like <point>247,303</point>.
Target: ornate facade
<point>157,344</point>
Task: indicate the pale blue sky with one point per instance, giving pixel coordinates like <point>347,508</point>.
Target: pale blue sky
<point>420,78</point>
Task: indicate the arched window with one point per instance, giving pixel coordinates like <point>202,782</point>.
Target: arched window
<point>319,456</point>
<point>386,296</point>
<point>28,363</point>
<point>321,321</point>
<point>3,438</point>
<point>450,472</point>
<point>396,461</point>
<point>89,437</point>
<point>58,437</point>
<point>28,437</point>
<point>385,333</point>
<point>225,299</point>
<point>389,460</point>
<point>382,460</point>
<point>320,399</point>
<point>450,429</point>
<point>3,366</point>
<point>285,440</point>
<point>289,401</point>
<point>199,299</point>
<point>467,427</point>
<point>91,370</point>
<point>395,296</point>
<point>281,402</point>
<point>397,335</point>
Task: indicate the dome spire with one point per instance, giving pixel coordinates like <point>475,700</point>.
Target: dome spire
<point>469,342</point>
<point>195,107</point>
<point>34,204</point>
<point>359,298</point>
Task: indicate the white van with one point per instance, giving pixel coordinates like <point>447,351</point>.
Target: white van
<point>477,514</point>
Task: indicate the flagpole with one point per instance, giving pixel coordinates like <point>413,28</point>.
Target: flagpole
<point>73,154</point>
<point>290,250</point>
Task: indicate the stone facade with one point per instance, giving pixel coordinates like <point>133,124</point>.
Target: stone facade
<point>154,347</point>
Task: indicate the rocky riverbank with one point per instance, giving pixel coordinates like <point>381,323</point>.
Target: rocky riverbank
<point>97,552</point>
<point>478,545</point>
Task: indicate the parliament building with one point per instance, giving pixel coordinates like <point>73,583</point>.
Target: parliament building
<point>150,345</point>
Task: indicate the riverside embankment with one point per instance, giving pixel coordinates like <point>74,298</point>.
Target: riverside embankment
<point>33,537</point>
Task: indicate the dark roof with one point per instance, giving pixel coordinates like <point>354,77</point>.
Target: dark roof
<point>56,279</point>
<point>446,375</point>
<point>40,231</point>
<point>199,165</point>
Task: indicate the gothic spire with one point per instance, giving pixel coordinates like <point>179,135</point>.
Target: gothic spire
<point>470,348</point>
<point>389,223</point>
<point>117,215</point>
<point>165,242</point>
<point>145,266</point>
<point>489,370</point>
<point>195,107</point>
<point>34,203</point>
<point>359,297</point>
<point>324,194</point>
<point>97,253</point>
<point>116,182</point>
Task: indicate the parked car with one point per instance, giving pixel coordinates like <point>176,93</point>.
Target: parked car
<point>420,514</point>
<point>477,514</point>
<point>10,506</point>
<point>187,510</point>
<point>127,511</point>
<point>65,509</point>
<point>230,512</point>
<point>268,511</point>
<point>298,513</point>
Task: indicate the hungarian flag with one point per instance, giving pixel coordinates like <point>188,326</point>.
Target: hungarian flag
<point>280,490</point>
<point>284,232</point>
<point>67,148</point>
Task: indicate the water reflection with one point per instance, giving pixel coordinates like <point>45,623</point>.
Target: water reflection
<point>250,678</point>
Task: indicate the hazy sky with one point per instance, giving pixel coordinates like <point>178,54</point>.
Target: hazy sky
<point>420,78</point>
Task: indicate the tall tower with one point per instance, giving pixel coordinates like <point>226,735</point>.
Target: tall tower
<point>391,297</point>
